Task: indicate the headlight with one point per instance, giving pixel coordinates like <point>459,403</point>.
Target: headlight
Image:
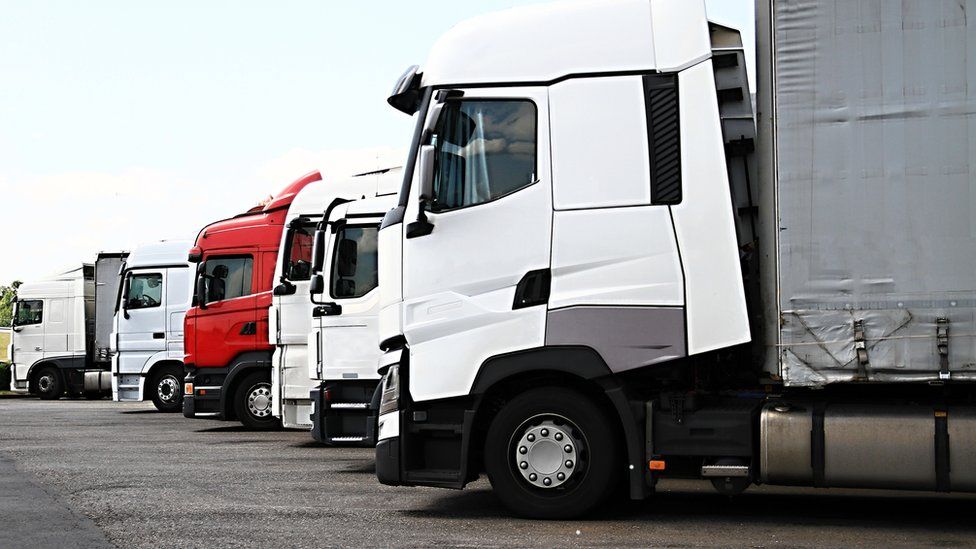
<point>391,390</point>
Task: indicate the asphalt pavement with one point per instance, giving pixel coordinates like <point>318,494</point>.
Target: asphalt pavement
<point>76,473</point>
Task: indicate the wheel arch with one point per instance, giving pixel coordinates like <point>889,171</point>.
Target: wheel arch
<point>156,363</point>
<point>242,365</point>
<point>580,368</point>
<point>58,363</point>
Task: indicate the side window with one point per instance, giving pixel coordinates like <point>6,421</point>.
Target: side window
<point>144,291</point>
<point>228,277</point>
<point>298,263</point>
<point>29,311</point>
<point>354,272</point>
<point>485,149</point>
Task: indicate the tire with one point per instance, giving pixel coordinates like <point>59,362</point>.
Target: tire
<point>538,424</point>
<point>252,402</point>
<point>49,383</point>
<point>166,389</point>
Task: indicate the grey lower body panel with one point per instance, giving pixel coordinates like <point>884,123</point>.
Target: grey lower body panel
<point>626,337</point>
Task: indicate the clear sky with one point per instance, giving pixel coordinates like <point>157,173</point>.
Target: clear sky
<point>124,122</point>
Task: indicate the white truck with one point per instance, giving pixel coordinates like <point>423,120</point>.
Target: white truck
<point>290,314</point>
<point>61,331</point>
<point>598,275</point>
<point>147,330</point>
<point>345,397</point>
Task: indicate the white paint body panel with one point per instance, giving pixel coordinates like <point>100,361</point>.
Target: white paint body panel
<point>544,42</point>
<point>716,305</point>
<point>137,350</point>
<point>290,317</point>
<point>61,333</point>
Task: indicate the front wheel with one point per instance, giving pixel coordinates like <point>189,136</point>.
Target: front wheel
<point>550,453</point>
<point>252,402</point>
<point>167,389</point>
<point>49,383</point>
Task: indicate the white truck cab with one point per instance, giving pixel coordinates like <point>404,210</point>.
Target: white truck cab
<point>290,315</point>
<point>147,338</point>
<point>61,330</point>
<point>345,320</point>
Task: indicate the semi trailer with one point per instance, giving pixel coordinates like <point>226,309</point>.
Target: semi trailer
<point>227,350</point>
<point>290,316</point>
<point>601,272</point>
<point>147,336</point>
<point>345,307</point>
<point>61,334</point>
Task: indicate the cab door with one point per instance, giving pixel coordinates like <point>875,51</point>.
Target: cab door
<point>142,318</point>
<point>292,311</point>
<point>28,335</point>
<point>490,218</point>
<point>348,322</point>
<point>227,326</point>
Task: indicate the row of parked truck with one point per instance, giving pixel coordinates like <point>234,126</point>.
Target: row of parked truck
<point>596,268</point>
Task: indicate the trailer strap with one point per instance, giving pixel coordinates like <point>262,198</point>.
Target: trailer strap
<point>942,342</point>
<point>817,445</point>
<point>942,465</point>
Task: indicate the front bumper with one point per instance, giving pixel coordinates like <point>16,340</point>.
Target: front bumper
<point>388,461</point>
<point>202,390</point>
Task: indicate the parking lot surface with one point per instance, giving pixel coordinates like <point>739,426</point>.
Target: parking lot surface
<point>97,473</point>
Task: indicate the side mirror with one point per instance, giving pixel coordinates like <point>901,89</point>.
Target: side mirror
<point>422,226</point>
<point>202,290</point>
<point>318,250</point>
<point>17,328</point>
<point>124,299</point>
<point>327,309</point>
<point>316,284</point>
<point>285,288</point>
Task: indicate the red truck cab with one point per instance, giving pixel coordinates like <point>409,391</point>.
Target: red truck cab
<point>227,352</point>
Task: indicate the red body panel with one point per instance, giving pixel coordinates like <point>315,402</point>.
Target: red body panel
<point>212,336</point>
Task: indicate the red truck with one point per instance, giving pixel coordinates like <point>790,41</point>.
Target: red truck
<point>227,353</point>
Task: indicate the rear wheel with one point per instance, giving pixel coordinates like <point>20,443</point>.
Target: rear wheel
<point>49,383</point>
<point>550,453</point>
<point>252,402</point>
<point>166,389</point>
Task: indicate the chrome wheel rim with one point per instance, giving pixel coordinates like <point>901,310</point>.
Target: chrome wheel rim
<point>259,400</point>
<point>547,450</point>
<point>168,389</point>
<point>45,383</point>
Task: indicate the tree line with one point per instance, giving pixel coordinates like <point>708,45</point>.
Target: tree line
<point>7,296</point>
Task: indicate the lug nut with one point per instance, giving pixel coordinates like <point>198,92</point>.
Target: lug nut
<point>569,464</point>
<point>523,450</point>
<point>532,477</point>
<point>524,465</point>
<point>558,436</point>
<point>531,437</point>
<point>560,476</point>
<point>547,481</point>
<point>544,432</point>
<point>568,449</point>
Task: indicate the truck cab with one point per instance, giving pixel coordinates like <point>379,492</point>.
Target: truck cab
<point>227,351</point>
<point>61,331</point>
<point>147,338</point>
<point>345,299</point>
<point>290,315</point>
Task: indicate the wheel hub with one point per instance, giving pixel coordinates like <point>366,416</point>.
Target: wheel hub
<point>259,401</point>
<point>168,389</point>
<point>546,454</point>
<point>45,383</point>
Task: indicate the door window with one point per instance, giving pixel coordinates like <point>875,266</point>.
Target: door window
<point>298,263</point>
<point>144,291</point>
<point>485,149</point>
<point>29,311</point>
<point>227,277</point>
<point>354,272</point>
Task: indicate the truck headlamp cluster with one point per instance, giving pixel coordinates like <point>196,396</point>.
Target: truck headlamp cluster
<point>391,391</point>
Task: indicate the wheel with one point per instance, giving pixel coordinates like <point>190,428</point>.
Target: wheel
<point>550,453</point>
<point>166,389</point>
<point>252,402</point>
<point>49,383</point>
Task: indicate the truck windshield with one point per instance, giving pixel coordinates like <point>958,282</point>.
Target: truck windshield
<point>354,272</point>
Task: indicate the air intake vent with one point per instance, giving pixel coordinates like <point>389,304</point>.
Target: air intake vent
<point>663,137</point>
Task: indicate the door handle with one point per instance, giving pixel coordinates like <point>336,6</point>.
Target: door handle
<point>38,349</point>
<point>159,335</point>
